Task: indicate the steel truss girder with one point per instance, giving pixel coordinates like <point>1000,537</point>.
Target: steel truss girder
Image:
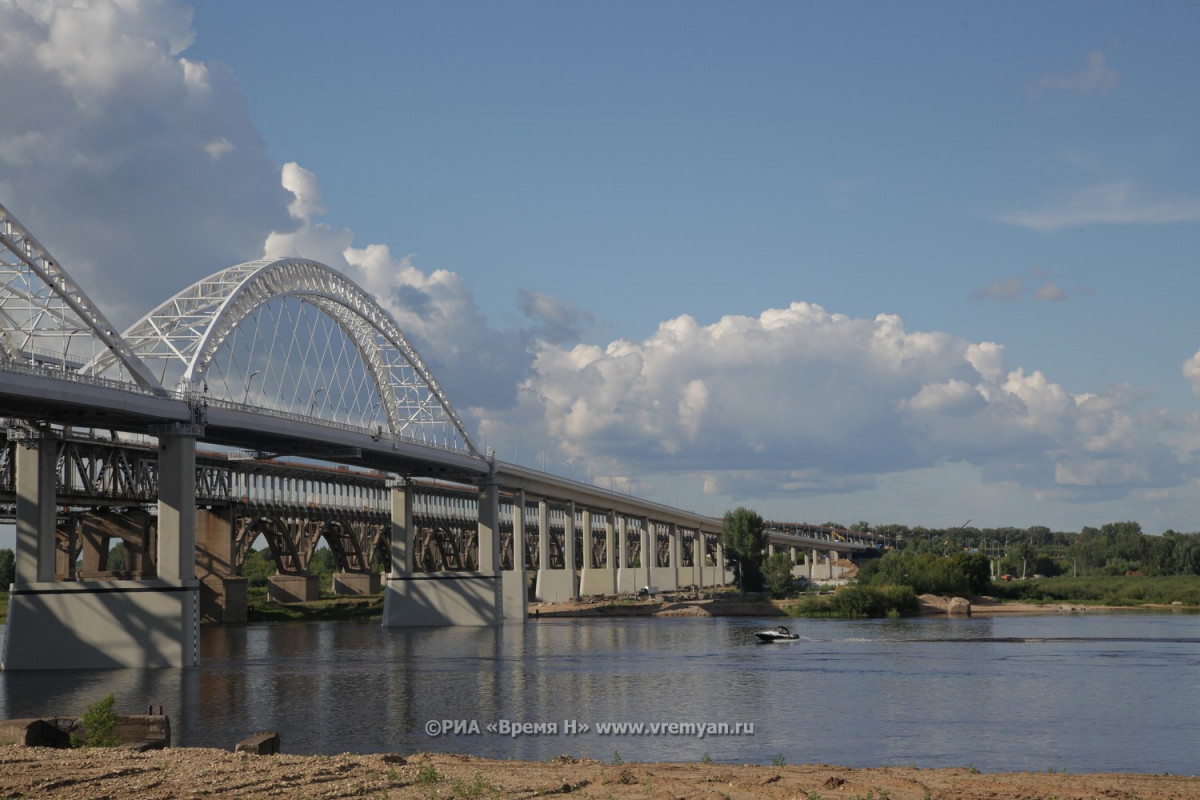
<point>40,303</point>
<point>190,328</point>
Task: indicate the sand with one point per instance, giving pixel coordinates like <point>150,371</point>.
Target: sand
<point>119,774</point>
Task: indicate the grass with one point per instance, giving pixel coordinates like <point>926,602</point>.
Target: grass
<point>333,608</point>
<point>1108,590</point>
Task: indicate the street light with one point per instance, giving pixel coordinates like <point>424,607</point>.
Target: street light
<point>313,404</point>
<point>246,396</point>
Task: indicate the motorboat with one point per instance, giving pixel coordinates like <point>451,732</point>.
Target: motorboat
<point>779,634</point>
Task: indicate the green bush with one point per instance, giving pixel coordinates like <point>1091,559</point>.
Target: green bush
<point>856,601</point>
<point>100,722</point>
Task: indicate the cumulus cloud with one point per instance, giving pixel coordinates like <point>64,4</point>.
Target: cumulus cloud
<point>800,400</point>
<point>478,365</point>
<point>139,169</point>
<point>1095,76</point>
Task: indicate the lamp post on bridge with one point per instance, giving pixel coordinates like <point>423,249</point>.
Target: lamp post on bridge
<point>246,394</point>
<point>313,403</point>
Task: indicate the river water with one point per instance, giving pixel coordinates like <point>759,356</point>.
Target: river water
<point>1075,692</point>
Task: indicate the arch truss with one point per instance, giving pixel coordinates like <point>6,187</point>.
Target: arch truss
<point>297,336</point>
<point>46,319</point>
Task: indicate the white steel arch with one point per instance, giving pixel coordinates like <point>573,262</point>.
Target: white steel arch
<point>189,329</point>
<point>47,319</point>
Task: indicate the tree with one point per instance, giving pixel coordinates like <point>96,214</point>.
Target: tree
<point>8,568</point>
<point>778,574</point>
<point>116,557</point>
<point>745,540</point>
<point>258,566</point>
<point>322,566</point>
<point>977,569</point>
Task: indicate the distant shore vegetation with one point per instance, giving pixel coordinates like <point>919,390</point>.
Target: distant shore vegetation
<point>1113,565</point>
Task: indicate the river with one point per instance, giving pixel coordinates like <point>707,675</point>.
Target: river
<point>1092,692</point>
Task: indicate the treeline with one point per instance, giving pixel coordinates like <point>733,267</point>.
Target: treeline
<point>1116,548</point>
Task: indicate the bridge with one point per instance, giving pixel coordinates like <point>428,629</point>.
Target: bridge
<point>269,359</point>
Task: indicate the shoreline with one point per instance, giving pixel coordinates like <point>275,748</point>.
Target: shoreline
<point>121,774</point>
<point>729,607</point>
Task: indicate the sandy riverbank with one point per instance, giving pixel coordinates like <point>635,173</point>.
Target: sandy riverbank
<point>201,773</point>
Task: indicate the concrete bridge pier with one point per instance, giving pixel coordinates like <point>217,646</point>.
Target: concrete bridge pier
<point>222,590</point>
<point>665,577</point>
<point>135,529</point>
<point>412,599</point>
<point>586,568</point>
<point>515,581</point>
<point>100,624</point>
<point>626,574</point>
<point>555,585</point>
<point>356,583</point>
<point>648,554</point>
<point>722,577</point>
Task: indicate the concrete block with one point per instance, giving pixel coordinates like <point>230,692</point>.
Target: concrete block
<point>222,600</point>
<point>441,598</point>
<point>33,733</point>
<point>102,625</point>
<point>265,743</point>
<point>292,589</point>
<point>357,583</point>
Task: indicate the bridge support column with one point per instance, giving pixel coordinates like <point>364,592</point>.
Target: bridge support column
<point>555,585</point>
<point>610,556</point>
<point>515,581</point>
<point>570,554</point>
<point>665,577</point>
<point>626,574</point>
<point>591,578</point>
<point>110,623</point>
<point>722,576</point>
<point>135,529</point>
<point>35,483</point>
<point>443,598</point>
<point>649,548</point>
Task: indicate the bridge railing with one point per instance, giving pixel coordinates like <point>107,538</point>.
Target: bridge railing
<point>58,373</point>
<point>345,427</point>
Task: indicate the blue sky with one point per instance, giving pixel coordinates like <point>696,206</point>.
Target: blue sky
<point>912,263</point>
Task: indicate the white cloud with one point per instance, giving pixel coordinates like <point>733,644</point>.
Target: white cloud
<point>139,169</point>
<point>1095,76</point>
<point>478,365</point>
<point>799,400</point>
<point>1191,371</point>
<point>1114,203</point>
<point>306,191</point>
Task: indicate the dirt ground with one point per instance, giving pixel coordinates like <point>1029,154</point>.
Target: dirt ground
<point>198,773</point>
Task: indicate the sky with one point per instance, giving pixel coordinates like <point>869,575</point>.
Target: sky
<point>916,263</point>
